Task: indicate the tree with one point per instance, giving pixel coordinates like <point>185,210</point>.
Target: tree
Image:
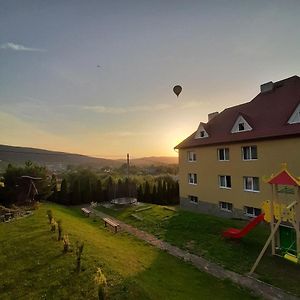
<point>140,194</point>
<point>98,192</point>
<point>63,194</point>
<point>147,193</point>
<point>53,183</point>
<point>16,188</point>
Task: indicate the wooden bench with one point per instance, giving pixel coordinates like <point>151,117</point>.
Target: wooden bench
<point>112,223</point>
<point>86,211</point>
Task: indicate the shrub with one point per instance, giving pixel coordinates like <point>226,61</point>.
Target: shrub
<point>50,215</point>
<point>59,228</point>
<point>78,251</point>
<point>101,283</point>
<point>66,243</point>
<point>53,225</point>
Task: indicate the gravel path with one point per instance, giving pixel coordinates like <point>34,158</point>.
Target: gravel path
<point>258,287</point>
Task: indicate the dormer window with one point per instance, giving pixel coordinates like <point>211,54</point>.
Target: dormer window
<point>201,132</point>
<point>295,117</point>
<point>241,125</point>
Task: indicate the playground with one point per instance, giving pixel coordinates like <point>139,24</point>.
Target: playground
<point>282,212</point>
<point>268,251</point>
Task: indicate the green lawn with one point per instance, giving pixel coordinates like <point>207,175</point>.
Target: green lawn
<point>32,265</point>
<point>201,234</point>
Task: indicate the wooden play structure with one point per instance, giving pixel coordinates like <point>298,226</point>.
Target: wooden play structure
<point>283,214</point>
<point>27,189</point>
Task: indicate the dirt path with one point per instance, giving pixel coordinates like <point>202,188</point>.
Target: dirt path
<point>258,287</point>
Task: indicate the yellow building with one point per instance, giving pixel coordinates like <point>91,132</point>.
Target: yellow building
<point>222,165</point>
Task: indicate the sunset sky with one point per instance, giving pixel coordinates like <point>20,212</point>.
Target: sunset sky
<point>96,77</point>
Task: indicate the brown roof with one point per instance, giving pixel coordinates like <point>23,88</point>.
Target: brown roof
<point>267,114</point>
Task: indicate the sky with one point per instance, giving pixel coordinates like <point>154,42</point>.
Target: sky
<point>96,77</point>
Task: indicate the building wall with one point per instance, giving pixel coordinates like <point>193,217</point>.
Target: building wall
<point>271,154</point>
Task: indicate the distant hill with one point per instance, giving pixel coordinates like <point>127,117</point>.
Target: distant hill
<point>55,160</point>
<point>154,160</point>
<point>52,159</point>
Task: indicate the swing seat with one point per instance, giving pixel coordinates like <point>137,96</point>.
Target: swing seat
<point>291,258</point>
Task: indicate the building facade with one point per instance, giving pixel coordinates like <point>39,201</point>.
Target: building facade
<point>223,164</point>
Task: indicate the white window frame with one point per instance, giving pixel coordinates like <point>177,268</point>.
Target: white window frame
<point>225,181</point>
<point>192,178</point>
<point>224,154</point>
<point>251,178</point>
<point>250,153</point>
<point>252,215</point>
<point>240,120</point>
<point>227,205</point>
<point>192,156</point>
<point>193,199</point>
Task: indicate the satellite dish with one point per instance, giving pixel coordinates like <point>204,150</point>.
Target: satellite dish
<point>177,90</point>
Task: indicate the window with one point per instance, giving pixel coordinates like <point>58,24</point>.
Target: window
<point>252,211</point>
<point>192,178</point>
<point>201,132</point>
<point>251,184</point>
<point>226,206</point>
<point>191,156</point>
<point>241,126</point>
<point>225,181</point>
<point>223,154</point>
<point>193,199</point>
<point>249,152</point>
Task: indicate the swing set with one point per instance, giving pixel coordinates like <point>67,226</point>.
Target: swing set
<point>283,214</point>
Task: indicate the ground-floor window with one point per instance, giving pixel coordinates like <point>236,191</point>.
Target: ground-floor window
<point>252,211</point>
<point>193,199</point>
<point>226,206</point>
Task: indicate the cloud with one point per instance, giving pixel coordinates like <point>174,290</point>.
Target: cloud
<point>124,110</point>
<point>17,47</point>
<point>140,108</point>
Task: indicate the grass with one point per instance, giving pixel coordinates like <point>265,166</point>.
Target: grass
<point>201,235</point>
<point>34,267</point>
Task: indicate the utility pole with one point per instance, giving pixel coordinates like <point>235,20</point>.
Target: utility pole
<point>128,189</point>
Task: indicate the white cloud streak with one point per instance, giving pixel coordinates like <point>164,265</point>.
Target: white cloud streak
<point>18,47</point>
<point>140,108</point>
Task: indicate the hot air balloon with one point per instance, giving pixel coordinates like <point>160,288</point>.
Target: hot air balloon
<point>177,90</point>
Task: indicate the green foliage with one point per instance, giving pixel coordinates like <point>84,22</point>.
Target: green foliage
<point>66,243</point>
<point>50,215</point>
<point>15,190</point>
<point>53,225</point>
<point>59,230</point>
<point>78,252</point>
<point>85,186</point>
<point>163,190</point>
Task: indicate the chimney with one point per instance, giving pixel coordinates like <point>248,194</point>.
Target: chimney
<point>212,115</point>
<point>267,87</point>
